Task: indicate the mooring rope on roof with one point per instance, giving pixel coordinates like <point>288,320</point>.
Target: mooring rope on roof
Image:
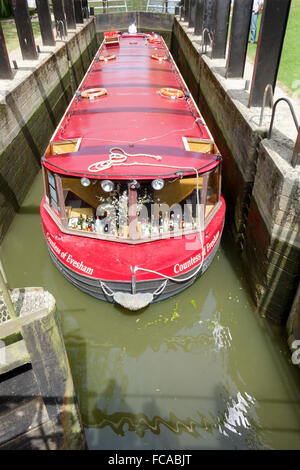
<point>197,121</point>
<point>117,157</point>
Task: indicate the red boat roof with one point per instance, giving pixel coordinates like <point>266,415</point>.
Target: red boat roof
<point>133,116</point>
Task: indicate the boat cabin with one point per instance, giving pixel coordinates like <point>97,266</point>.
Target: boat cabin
<point>133,209</point>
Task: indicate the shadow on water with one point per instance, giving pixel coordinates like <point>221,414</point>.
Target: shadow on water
<point>116,417</point>
<point>8,194</point>
<point>32,209</point>
<point>40,433</point>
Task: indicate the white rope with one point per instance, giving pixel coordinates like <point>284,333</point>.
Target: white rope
<point>160,289</point>
<point>117,157</point>
<point>135,269</point>
<point>106,289</point>
<point>174,278</point>
<point>109,292</point>
<point>144,139</point>
<point>120,158</point>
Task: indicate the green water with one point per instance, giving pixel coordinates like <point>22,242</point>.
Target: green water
<point>201,370</point>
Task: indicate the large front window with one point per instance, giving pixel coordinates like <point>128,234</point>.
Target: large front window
<point>170,209</point>
<point>133,210</point>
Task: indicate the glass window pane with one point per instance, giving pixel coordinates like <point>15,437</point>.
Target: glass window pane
<point>53,194</point>
<point>212,191</point>
<point>141,213</point>
<point>90,208</point>
<point>54,205</point>
<point>51,179</point>
<point>169,209</point>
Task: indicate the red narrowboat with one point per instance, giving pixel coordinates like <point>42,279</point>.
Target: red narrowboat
<point>133,211</point>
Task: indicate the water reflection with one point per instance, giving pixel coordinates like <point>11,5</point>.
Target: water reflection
<point>198,371</point>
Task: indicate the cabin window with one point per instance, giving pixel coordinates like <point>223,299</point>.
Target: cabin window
<point>169,209</point>
<point>133,210</point>
<point>92,209</point>
<point>51,191</point>
<point>213,191</point>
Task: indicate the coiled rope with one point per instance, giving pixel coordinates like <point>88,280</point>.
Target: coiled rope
<point>118,157</point>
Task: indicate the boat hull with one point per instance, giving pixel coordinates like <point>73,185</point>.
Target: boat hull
<point>90,160</point>
<point>110,276</point>
<point>93,287</point>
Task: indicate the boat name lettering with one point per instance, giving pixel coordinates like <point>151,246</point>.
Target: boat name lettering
<point>67,257</point>
<point>53,245</point>
<point>209,246</point>
<point>178,268</point>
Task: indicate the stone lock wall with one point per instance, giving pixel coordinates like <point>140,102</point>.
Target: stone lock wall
<point>30,111</point>
<point>260,187</point>
<point>272,248</point>
<point>234,134</point>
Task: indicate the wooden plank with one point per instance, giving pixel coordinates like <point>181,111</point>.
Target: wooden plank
<point>78,11</point>
<point>70,14</point>
<point>269,47</point>
<point>16,355</point>
<point>22,419</point>
<point>42,437</point>
<point>17,387</point>
<point>13,326</point>
<point>51,367</point>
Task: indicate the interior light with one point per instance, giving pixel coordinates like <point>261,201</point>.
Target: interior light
<point>85,182</point>
<point>107,186</point>
<point>158,184</point>
<point>134,184</point>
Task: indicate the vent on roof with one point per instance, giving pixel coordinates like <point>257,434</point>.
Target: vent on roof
<point>192,144</point>
<point>64,146</point>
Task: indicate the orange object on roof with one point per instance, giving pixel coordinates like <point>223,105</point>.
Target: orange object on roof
<point>110,34</point>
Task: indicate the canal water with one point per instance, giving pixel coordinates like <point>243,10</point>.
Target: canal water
<point>201,370</point>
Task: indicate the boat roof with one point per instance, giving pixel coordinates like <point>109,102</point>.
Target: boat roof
<point>121,134</point>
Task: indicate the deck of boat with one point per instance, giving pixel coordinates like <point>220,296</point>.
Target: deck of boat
<point>132,114</point>
<point>135,116</point>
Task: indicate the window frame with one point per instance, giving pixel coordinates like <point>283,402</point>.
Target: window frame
<point>62,221</point>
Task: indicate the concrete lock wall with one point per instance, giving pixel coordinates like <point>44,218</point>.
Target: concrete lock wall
<point>260,187</point>
<point>272,252</point>
<point>31,109</point>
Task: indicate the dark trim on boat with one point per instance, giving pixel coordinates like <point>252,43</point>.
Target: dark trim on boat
<point>93,287</point>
